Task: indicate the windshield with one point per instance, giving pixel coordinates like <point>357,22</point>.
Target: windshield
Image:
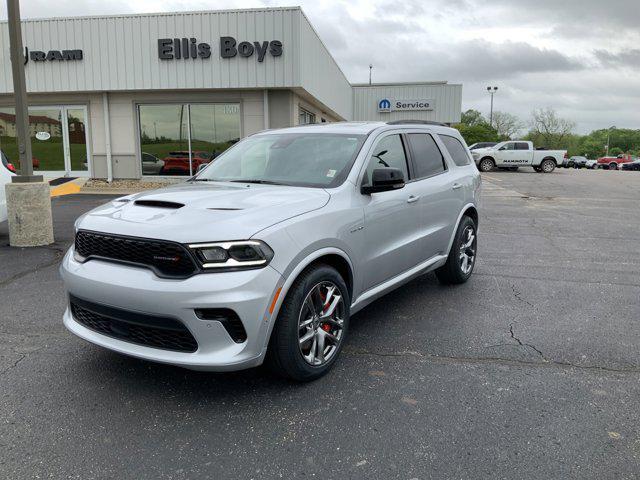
<point>300,159</point>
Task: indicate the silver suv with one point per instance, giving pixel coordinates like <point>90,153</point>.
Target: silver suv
<point>267,252</point>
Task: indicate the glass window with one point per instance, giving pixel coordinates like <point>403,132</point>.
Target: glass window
<point>426,155</point>
<point>388,153</point>
<point>508,146</point>
<point>456,150</point>
<point>522,146</point>
<point>165,130</point>
<point>304,159</point>
<point>305,117</point>
<point>77,139</point>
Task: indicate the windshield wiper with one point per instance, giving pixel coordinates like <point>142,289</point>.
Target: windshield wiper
<point>256,180</point>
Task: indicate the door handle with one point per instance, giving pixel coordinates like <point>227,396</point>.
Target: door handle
<point>413,198</point>
<point>456,186</point>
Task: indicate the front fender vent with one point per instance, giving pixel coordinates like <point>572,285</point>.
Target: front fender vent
<point>158,204</point>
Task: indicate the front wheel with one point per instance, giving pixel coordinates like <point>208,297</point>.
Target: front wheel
<point>462,257</point>
<point>613,166</point>
<point>486,165</point>
<point>311,326</point>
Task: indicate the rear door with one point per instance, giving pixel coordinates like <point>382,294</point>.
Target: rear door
<point>524,153</point>
<point>439,187</point>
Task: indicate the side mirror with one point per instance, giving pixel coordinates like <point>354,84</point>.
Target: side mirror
<point>383,180</point>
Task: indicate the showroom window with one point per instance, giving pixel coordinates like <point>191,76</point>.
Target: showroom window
<point>305,117</point>
<point>176,139</point>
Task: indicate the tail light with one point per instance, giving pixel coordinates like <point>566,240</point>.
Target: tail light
<point>11,167</point>
<point>565,155</point>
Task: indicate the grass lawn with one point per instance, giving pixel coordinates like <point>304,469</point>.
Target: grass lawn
<point>49,152</point>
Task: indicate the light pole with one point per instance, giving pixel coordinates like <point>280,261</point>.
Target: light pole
<point>613,127</point>
<point>28,197</point>
<point>492,91</point>
<point>370,69</point>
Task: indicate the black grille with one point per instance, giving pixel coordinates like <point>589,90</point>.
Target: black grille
<point>229,319</point>
<point>148,330</point>
<point>167,259</point>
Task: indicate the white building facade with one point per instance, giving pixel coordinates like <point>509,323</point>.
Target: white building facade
<point>158,94</point>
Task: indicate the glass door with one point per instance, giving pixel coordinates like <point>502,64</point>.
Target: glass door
<point>77,151</point>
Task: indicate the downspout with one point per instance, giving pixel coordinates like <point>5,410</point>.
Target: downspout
<point>107,135</point>
<point>265,108</point>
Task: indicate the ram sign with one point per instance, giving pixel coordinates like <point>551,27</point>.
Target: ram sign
<point>395,105</point>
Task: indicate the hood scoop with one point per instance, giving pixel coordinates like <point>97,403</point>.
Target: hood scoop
<point>158,204</point>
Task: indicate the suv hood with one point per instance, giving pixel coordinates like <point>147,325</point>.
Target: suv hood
<point>210,212</point>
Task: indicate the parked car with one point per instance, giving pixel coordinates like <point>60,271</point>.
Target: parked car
<point>229,269</point>
<point>151,165</point>
<point>5,177</point>
<point>11,167</point>
<point>613,163</point>
<point>581,162</point>
<point>514,154</point>
<point>477,145</point>
<point>177,163</point>
<point>633,165</point>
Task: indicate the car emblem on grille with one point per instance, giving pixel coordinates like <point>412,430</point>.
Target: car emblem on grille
<point>166,259</point>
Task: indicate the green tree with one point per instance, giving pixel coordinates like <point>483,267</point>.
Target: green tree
<point>475,128</point>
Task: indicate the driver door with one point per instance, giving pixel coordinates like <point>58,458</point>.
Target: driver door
<point>392,220</point>
<point>507,155</point>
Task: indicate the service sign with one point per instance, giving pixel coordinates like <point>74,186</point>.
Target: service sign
<point>43,136</point>
<point>395,105</point>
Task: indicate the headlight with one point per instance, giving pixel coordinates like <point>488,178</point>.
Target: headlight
<point>234,255</point>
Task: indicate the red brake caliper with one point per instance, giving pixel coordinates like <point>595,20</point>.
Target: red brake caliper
<point>325,326</point>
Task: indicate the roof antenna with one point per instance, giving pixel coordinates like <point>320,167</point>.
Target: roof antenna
<point>370,68</point>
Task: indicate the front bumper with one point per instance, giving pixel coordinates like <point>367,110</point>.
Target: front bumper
<point>249,293</point>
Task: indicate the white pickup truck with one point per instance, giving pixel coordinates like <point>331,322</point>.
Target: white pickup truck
<point>518,153</point>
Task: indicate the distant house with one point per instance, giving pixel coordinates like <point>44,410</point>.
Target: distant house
<point>37,123</point>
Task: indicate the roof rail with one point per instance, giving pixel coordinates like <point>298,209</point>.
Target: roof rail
<point>416,122</point>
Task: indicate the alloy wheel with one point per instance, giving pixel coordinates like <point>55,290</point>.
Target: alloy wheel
<point>467,250</point>
<point>321,323</point>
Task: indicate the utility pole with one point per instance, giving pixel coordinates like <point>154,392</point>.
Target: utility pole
<point>370,69</point>
<point>609,138</point>
<point>28,197</point>
<point>492,91</point>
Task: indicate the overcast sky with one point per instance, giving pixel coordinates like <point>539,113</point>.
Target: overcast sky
<point>581,57</point>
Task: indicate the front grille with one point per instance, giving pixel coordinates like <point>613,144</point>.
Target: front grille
<point>229,319</point>
<point>141,329</point>
<point>167,259</point>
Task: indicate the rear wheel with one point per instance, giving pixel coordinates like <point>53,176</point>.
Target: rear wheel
<point>613,166</point>
<point>486,165</point>
<point>548,165</point>
<point>311,326</point>
<point>462,257</point>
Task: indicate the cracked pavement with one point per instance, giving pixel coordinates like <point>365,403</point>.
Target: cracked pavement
<point>530,370</point>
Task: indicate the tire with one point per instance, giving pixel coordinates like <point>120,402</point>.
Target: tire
<point>547,165</point>
<point>452,272</point>
<point>486,165</point>
<point>285,355</point>
<point>613,166</point>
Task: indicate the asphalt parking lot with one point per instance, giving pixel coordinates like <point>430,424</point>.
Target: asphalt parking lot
<point>530,370</point>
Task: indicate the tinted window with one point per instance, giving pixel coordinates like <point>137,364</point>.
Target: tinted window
<point>522,146</point>
<point>508,146</point>
<point>456,150</point>
<point>426,155</point>
<point>388,153</point>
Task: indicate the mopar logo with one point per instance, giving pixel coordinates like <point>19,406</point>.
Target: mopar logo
<point>166,259</point>
<point>384,105</point>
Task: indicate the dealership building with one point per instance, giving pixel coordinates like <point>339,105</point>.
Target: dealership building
<point>116,96</point>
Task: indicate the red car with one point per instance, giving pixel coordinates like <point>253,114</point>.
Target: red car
<point>177,163</point>
<point>613,163</point>
<point>11,167</point>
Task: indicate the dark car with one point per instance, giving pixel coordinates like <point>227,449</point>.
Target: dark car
<point>177,163</point>
<point>475,146</point>
<point>633,165</point>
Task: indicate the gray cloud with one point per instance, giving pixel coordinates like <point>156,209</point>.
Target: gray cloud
<point>627,58</point>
